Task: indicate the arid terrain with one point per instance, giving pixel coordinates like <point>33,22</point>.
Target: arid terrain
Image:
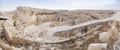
<point>29,28</point>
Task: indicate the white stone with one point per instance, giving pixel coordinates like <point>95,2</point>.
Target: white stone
<point>53,48</point>
<point>42,48</point>
<point>97,46</point>
<point>104,36</point>
<point>30,48</point>
<point>0,48</point>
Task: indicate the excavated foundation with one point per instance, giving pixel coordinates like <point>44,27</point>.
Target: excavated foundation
<point>40,29</point>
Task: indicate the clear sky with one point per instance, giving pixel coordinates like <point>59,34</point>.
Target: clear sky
<point>8,5</point>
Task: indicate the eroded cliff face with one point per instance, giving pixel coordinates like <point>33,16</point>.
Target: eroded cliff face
<point>41,29</point>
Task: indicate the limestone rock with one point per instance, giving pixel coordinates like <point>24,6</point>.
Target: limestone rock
<point>104,36</point>
<point>97,46</point>
<point>9,31</point>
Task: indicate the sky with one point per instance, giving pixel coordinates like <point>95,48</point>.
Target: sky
<point>9,5</point>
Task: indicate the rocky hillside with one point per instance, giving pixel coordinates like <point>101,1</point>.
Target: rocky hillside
<point>41,29</point>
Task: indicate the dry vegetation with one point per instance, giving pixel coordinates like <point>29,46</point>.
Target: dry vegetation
<point>40,29</point>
